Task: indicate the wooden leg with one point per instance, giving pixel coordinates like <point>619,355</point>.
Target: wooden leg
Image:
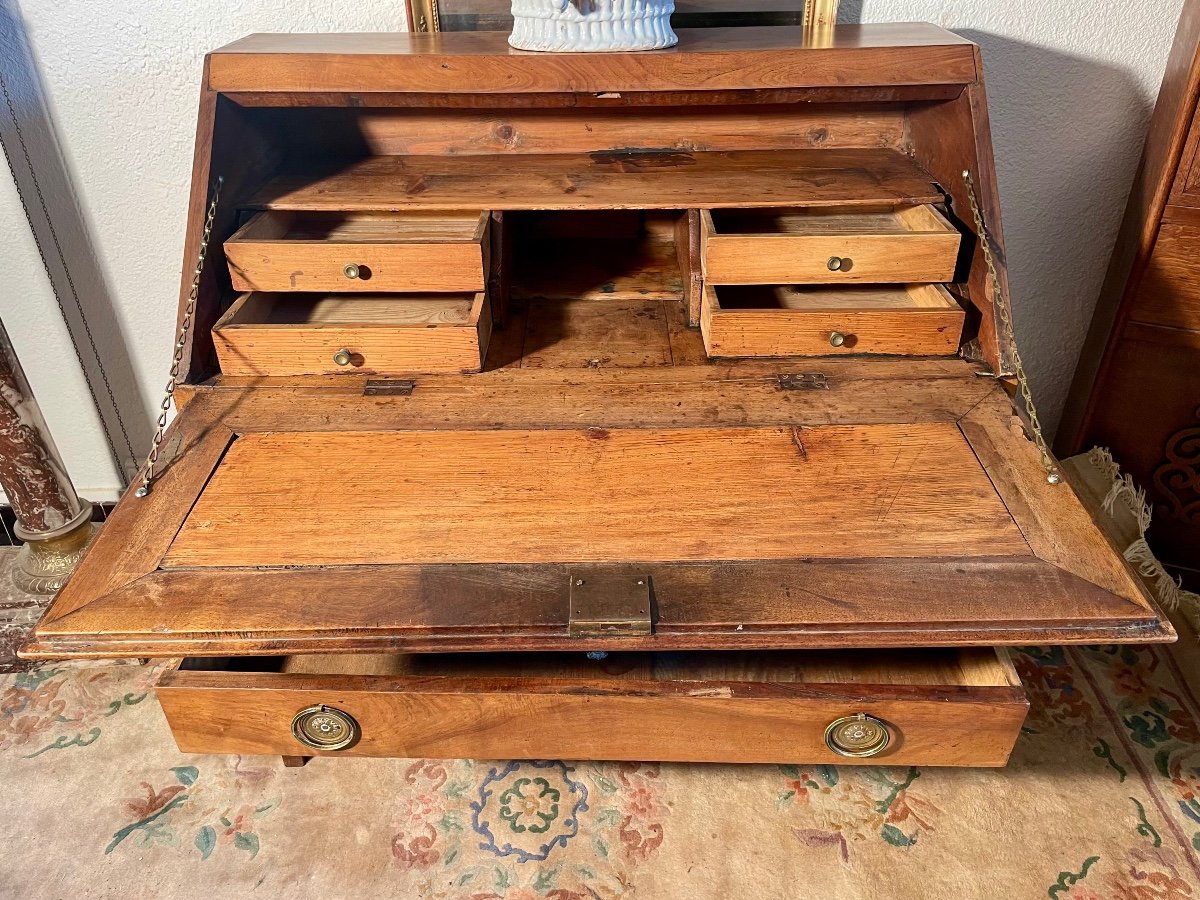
<point>295,762</point>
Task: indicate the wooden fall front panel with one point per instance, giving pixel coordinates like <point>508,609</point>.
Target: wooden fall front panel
<point>341,481</point>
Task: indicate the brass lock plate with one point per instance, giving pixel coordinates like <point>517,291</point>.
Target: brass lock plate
<point>607,603</point>
<point>325,728</point>
<point>803,381</point>
<point>388,387</point>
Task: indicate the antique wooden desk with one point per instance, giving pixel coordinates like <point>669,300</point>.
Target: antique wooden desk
<point>631,406</point>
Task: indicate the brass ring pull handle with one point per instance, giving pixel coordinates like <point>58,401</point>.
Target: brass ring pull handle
<point>837,339</point>
<point>325,728</point>
<point>858,735</point>
<point>840,264</point>
<point>342,357</point>
<point>351,270</point>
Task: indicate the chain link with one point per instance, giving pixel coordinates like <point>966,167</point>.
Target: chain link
<point>1004,310</point>
<point>185,327</point>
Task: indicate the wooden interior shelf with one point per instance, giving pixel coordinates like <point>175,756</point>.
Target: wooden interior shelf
<point>609,180</point>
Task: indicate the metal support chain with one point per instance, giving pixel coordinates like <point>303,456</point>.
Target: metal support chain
<point>1004,311</point>
<point>185,327</point>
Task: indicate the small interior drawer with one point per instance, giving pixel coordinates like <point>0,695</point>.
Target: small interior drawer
<point>822,245</point>
<point>949,707</point>
<point>355,251</point>
<point>791,320</point>
<point>364,334</point>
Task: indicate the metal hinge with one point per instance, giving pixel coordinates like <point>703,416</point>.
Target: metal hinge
<point>388,387</point>
<point>605,603</point>
<point>803,381</point>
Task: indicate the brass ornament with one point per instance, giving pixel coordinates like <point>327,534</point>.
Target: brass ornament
<point>858,735</point>
<point>324,728</point>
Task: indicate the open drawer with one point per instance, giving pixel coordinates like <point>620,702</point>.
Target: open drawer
<point>790,320</point>
<point>823,245</point>
<point>356,251</point>
<point>919,707</point>
<point>367,334</point>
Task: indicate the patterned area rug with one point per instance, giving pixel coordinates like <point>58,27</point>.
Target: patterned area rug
<point>1099,802</point>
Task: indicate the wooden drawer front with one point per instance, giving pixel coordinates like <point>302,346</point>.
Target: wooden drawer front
<point>334,251</point>
<point>361,334</point>
<point>782,320</point>
<point>894,245</point>
<point>940,707</point>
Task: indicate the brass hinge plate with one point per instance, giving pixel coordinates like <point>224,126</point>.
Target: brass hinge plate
<point>605,603</point>
<point>803,381</point>
<point>388,387</point>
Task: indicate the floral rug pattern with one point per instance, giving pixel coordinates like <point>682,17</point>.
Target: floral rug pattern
<point>1101,800</point>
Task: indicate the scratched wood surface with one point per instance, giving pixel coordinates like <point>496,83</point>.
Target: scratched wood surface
<point>597,496</point>
<point>608,180</point>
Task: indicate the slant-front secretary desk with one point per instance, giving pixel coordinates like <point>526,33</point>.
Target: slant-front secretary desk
<point>626,406</point>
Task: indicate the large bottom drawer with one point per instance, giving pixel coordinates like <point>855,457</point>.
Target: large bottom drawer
<point>915,707</point>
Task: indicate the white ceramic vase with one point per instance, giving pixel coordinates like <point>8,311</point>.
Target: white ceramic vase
<point>564,26</point>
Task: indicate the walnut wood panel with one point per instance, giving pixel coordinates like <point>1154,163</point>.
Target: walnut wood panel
<point>609,180</point>
<point>689,250</point>
<point>888,245</point>
<point>514,130</point>
<point>781,320</point>
<point>719,712</point>
<point>579,335</point>
<point>483,63</point>
<point>1057,525</point>
<point>811,604</point>
<point>1155,380</point>
<point>733,393</point>
<point>566,99</point>
<point>948,138</point>
<point>278,251</point>
<point>301,334</point>
<point>596,495</point>
<point>1169,293</point>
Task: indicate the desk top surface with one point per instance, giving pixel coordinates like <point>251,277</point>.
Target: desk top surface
<point>705,59</point>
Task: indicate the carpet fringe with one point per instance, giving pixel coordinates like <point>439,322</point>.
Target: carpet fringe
<point>1169,591</point>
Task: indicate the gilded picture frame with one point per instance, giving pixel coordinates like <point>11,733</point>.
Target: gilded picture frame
<point>818,16</point>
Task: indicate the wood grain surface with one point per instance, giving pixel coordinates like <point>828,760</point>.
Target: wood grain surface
<point>277,251</point>
<point>384,334</point>
<point>781,320</point>
<point>482,62</point>
<point>597,496</point>
<point>908,244</point>
<point>746,709</point>
<point>664,179</point>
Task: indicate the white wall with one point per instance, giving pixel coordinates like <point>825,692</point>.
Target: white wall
<point>1071,87</point>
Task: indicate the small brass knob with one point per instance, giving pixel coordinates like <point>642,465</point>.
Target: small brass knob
<point>350,270</point>
<point>342,357</point>
<point>858,735</point>
<point>840,264</point>
<point>325,728</point>
<point>837,339</point>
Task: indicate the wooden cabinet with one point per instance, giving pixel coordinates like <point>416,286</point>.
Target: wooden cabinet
<point>593,432</point>
<point>1137,386</point>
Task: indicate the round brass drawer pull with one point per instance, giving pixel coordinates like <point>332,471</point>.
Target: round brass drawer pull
<point>342,357</point>
<point>837,339</point>
<point>857,735</point>
<point>351,270</point>
<point>840,264</point>
<point>325,728</point>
